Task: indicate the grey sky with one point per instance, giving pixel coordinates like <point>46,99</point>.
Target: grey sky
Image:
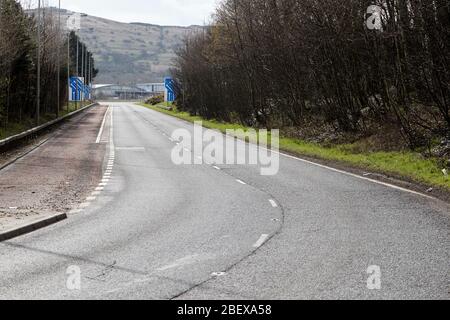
<point>163,12</point>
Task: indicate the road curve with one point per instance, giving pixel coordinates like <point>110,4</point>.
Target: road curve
<point>161,231</point>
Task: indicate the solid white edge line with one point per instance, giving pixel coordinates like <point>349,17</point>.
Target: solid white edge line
<point>74,211</point>
<point>357,176</point>
<point>389,185</point>
<point>99,136</point>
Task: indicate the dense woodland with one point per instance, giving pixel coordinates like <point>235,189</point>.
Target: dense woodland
<point>315,64</point>
<point>18,63</point>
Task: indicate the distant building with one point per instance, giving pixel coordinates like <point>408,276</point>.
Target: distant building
<point>154,88</point>
<point>120,92</point>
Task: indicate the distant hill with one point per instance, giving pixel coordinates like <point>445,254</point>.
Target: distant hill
<point>128,53</point>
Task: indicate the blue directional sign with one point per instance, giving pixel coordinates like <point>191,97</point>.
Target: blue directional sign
<point>78,90</point>
<point>169,84</point>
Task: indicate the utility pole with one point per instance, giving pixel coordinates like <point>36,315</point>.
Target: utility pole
<point>59,57</point>
<point>85,70</point>
<point>38,93</point>
<point>68,72</point>
<point>89,74</point>
<point>76,92</point>
<point>82,71</point>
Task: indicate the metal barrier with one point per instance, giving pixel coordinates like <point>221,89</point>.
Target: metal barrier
<point>35,130</point>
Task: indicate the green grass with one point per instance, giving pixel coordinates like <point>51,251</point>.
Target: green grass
<point>14,128</point>
<point>405,164</point>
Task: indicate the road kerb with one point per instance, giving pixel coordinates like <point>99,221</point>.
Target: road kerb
<point>42,223</point>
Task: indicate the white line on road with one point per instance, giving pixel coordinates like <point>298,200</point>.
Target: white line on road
<point>351,174</point>
<point>102,127</point>
<point>347,173</point>
<point>75,211</point>
<point>261,241</point>
<point>241,182</point>
<point>180,262</point>
<point>216,167</point>
<point>130,148</point>
<point>273,203</point>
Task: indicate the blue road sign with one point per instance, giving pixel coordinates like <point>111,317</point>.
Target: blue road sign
<point>78,89</point>
<point>169,84</point>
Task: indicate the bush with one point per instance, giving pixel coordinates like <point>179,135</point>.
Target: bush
<point>155,100</point>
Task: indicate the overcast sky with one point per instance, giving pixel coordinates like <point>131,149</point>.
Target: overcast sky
<point>162,12</point>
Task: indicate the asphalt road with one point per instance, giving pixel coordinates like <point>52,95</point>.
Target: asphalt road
<point>156,230</point>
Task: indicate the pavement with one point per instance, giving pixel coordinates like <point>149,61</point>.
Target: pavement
<point>150,229</point>
<point>52,178</point>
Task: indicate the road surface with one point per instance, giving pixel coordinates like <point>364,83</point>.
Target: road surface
<point>156,230</point>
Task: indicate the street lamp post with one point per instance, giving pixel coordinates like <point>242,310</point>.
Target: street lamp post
<point>68,71</point>
<point>82,70</point>
<point>58,57</point>
<point>73,25</point>
<point>77,75</point>
<point>89,74</point>
<point>38,89</point>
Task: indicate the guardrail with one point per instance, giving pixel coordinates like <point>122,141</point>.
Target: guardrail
<point>36,130</point>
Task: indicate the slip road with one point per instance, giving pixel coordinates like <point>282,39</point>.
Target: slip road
<point>156,230</point>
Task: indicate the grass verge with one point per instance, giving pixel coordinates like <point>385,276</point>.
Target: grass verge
<point>408,164</point>
<point>14,128</point>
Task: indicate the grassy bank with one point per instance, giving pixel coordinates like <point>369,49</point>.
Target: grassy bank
<point>409,165</point>
<point>14,128</point>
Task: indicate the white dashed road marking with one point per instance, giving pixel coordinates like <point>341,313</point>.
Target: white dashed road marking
<point>130,149</point>
<point>273,203</point>
<point>261,241</point>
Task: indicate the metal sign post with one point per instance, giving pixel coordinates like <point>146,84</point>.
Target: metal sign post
<point>73,24</point>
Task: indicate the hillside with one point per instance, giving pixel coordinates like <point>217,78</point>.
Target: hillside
<point>130,52</point>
